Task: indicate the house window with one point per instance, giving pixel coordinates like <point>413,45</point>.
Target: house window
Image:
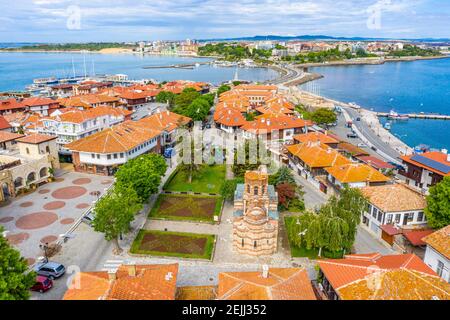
<point>420,217</point>
<point>121,155</point>
<point>248,188</point>
<point>115,155</point>
<point>242,242</point>
<point>440,268</point>
<point>47,148</point>
<point>255,191</point>
<point>374,212</point>
<point>380,216</point>
<point>28,151</point>
<point>98,156</point>
<point>108,157</point>
<point>389,219</point>
<point>254,244</point>
<point>397,218</point>
<point>93,156</point>
<point>410,216</point>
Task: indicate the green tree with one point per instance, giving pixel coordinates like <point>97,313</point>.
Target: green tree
<point>323,116</point>
<point>166,96</point>
<point>223,88</point>
<point>114,213</point>
<point>15,279</point>
<point>438,204</point>
<point>188,165</point>
<point>143,174</point>
<point>229,187</point>
<point>184,99</point>
<point>283,175</point>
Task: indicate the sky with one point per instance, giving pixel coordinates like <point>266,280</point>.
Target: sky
<point>136,20</point>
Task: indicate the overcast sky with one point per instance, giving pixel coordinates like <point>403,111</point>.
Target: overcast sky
<point>132,20</point>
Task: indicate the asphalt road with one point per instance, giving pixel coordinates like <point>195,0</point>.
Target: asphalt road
<point>371,136</point>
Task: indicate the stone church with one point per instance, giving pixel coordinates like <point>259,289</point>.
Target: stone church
<point>255,221</point>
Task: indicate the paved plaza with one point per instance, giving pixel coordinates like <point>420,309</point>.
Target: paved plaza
<point>40,217</point>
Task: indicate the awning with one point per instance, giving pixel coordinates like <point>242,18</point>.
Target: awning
<point>415,237</point>
<point>391,229</point>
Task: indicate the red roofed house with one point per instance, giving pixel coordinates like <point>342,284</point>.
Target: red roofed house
<point>427,169</point>
<point>376,277</point>
<point>8,106</point>
<point>5,125</point>
<point>43,106</point>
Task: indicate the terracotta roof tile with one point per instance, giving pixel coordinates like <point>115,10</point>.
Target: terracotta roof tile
<point>9,136</point>
<point>4,124</point>
<point>314,137</point>
<point>351,277</point>
<point>36,138</point>
<point>394,197</point>
<point>440,241</point>
<point>165,121</point>
<point>281,284</point>
<point>356,172</point>
<point>149,283</point>
<point>317,155</point>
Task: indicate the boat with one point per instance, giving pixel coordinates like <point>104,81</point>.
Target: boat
<point>354,105</point>
<point>395,116</point>
<point>387,126</point>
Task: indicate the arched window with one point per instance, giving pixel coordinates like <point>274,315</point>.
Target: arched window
<point>242,242</point>
<point>47,148</point>
<point>27,150</point>
<point>18,182</point>
<point>31,177</point>
<point>263,189</point>
<point>43,172</point>
<point>254,245</point>
<point>248,188</point>
<point>255,191</point>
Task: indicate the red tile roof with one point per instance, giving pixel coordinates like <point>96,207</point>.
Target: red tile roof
<point>416,236</point>
<point>4,124</point>
<point>11,104</point>
<point>151,282</point>
<point>6,136</point>
<point>375,162</point>
<point>36,138</point>
<point>38,101</point>
<point>439,241</point>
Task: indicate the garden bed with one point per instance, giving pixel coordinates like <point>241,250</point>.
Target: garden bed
<point>187,207</point>
<point>174,244</point>
<point>209,179</point>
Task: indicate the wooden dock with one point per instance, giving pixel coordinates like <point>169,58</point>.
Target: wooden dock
<point>430,116</point>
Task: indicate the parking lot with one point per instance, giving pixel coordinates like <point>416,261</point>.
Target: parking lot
<point>43,215</point>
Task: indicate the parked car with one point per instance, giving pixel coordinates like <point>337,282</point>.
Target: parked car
<point>42,284</point>
<point>50,269</point>
<point>358,119</point>
<point>352,135</point>
<point>361,145</point>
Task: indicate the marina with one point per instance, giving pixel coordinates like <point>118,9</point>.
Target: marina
<point>429,116</point>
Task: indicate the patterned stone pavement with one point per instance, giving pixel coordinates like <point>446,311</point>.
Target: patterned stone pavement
<point>48,212</point>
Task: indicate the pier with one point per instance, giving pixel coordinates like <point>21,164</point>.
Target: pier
<point>430,116</point>
<point>177,66</point>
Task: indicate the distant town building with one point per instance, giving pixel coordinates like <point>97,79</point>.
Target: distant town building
<point>255,223</point>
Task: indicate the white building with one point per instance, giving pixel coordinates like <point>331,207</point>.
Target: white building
<point>395,206</point>
<point>437,254</point>
<point>72,124</point>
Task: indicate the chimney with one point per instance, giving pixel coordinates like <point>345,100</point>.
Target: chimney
<point>265,272</point>
<point>112,274</point>
<point>169,276</point>
<point>131,269</point>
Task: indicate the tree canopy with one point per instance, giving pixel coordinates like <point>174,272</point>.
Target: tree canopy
<point>15,280</point>
<point>114,213</point>
<point>332,228</point>
<point>438,204</point>
<point>166,96</point>
<point>143,174</point>
<point>323,116</point>
<point>223,88</point>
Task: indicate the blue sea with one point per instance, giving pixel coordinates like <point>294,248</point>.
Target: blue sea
<point>405,87</point>
<point>18,69</point>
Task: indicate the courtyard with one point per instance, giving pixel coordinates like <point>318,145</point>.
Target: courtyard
<point>42,216</point>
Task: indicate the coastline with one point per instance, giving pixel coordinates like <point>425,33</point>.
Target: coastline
<point>369,61</point>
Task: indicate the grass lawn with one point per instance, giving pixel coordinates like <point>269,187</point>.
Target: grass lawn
<point>186,207</point>
<point>298,252</point>
<point>208,179</point>
<point>174,244</point>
